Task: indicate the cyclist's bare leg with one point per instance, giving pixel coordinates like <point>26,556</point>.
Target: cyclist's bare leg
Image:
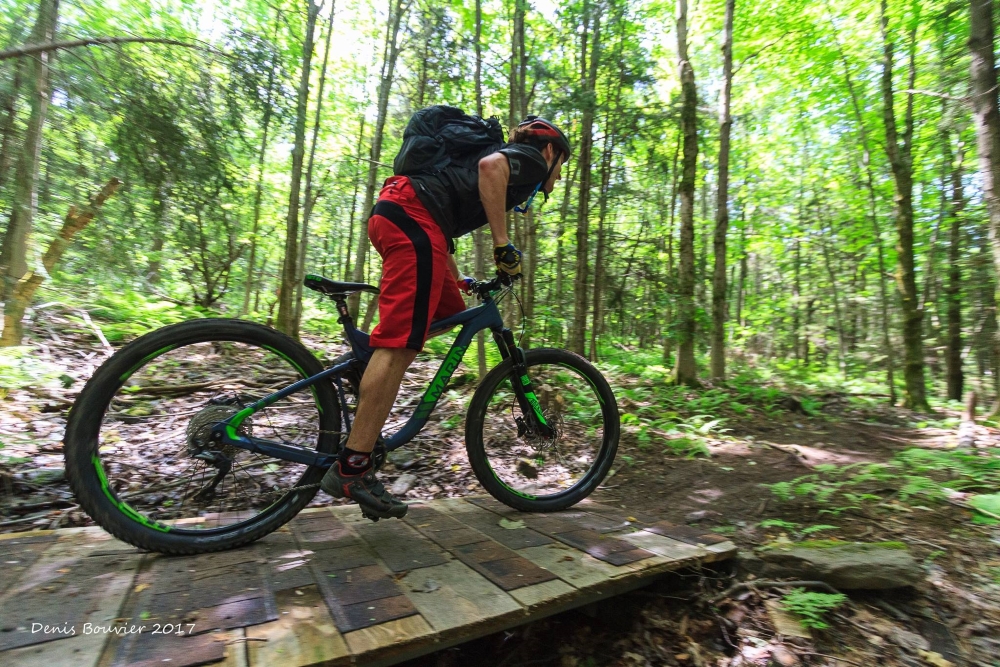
<point>379,387</point>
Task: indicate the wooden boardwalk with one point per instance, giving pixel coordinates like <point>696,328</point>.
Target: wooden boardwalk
<point>329,588</point>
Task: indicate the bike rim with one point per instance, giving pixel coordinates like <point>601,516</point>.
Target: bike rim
<point>155,463</point>
<point>539,469</point>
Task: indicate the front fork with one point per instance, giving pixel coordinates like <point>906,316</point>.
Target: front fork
<point>532,422</point>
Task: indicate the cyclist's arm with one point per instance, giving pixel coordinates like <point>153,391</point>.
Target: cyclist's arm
<point>453,267</point>
<point>494,173</point>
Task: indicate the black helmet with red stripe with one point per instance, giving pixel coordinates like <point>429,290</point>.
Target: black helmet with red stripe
<point>536,130</point>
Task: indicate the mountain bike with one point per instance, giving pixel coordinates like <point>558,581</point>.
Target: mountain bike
<point>208,434</point>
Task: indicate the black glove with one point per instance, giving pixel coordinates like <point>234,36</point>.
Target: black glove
<point>508,259</point>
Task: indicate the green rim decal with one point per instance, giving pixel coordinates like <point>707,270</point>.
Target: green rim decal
<point>162,350</point>
<point>123,507</point>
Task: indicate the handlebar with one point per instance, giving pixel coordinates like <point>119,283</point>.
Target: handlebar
<point>484,288</point>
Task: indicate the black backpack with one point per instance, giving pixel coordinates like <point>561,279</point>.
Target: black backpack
<point>441,135</point>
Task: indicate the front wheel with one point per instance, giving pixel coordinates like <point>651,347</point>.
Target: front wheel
<point>535,474</point>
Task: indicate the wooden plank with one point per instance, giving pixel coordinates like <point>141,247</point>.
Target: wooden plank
<point>63,589</point>
<point>452,596</point>
<point>664,546</point>
<point>385,539</point>
<point>540,594</point>
<point>501,565</point>
<point>304,633</point>
<point>388,638</point>
<point>487,522</point>
<point>577,569</point>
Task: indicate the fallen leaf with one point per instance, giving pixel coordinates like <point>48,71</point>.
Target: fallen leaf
<point>511,525</point>
<point>428,586</point>
<point>141,587</point>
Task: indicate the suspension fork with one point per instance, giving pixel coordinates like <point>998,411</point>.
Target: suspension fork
<point>532,421</point>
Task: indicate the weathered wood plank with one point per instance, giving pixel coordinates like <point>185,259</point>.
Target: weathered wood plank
<point>388,638</point>
<point>341,590</point>
<point>64,588</point>
<point>452,596</point>
<point>304,633</point>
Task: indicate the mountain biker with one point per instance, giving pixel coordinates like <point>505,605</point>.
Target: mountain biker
<point>412,227</point>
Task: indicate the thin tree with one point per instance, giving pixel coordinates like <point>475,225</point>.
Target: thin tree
<point>899,149</point>
<point>719,287</point>
<point>258,194</point>
<point>390,53</point>
<point>987,118</point>
<point>588,78</point>
<point>14,254</point>
<point>685,370</point>
<point>289,269</point>
<point>311,193</point>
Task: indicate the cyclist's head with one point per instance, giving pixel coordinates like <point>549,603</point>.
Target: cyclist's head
<point>539,132</point>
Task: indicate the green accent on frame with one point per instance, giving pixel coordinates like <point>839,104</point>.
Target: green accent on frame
<point>440,381</point>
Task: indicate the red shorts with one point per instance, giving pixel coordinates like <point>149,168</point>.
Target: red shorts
<point>417,287</point>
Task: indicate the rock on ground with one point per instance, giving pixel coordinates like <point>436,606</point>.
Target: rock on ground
<point>847,566</point>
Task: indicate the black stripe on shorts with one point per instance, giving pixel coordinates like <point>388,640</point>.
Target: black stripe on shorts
<point>424,259</point>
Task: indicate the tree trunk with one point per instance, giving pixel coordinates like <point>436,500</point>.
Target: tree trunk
<point>8,129</point>
<point>310,195</point>
<point>900,154</point>
<point>670,282</point>
<point>953,355</point>
<point>838,317</point>
<point>14,254</point>
<point>987,118</point>
<point>685,371</point>
<point>390,53</point>
<point>354,204</point>
<point>258,194</point>
<point>479,235</point>
<point>796,297</point>
<point>588,76</point>
<point>718,356</point>
<point>20,298</point>
<point>289,269</point>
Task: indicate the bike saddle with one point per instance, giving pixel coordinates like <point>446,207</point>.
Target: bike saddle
<point>334,288</point>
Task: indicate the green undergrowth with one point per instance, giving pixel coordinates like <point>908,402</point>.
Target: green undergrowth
<point>19,368</point>
<point>812,608</point>
<point>912,477</point>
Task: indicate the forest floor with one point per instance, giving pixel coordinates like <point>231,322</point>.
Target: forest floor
<point>773,475</point>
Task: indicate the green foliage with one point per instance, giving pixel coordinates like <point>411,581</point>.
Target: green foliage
<point>20,368</point>
<point>687,447</point>
<point>989,503</point>
<point>812,608</point>
<point>912,474</point>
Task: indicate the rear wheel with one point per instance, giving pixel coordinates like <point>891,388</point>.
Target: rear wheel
<point>543,474</point>
<point>138,452</point>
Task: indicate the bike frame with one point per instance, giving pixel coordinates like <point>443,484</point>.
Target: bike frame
<point>473,320</point>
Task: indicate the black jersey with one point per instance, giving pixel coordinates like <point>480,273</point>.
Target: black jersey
<point>452,194</point>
